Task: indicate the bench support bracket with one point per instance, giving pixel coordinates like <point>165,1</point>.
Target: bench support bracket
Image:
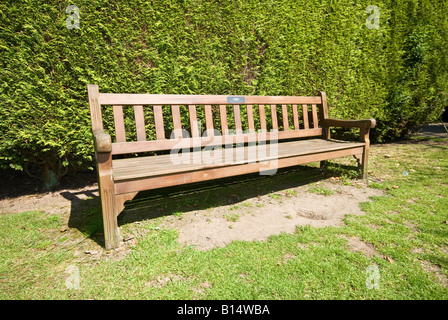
<point>121,199</point>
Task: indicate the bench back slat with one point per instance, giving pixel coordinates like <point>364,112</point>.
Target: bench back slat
<point>250,118</point>
<point>274,117</point>
<point>120,131</point>
<point>285,117</point>
<point>140,122</point>
<point>209,119</point>
<point>158,119</point>
<point>295,115</point>
<point>314,112</point>
<point>195,120</point>
<point>223,118</point>
<point>237,118</point>
<point>177,125</point>
<point>194,124</point>
<point>262,118</point>
<point>306,122</point>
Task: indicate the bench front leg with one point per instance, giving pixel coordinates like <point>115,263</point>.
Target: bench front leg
<point>364,137</point>
<point>108,200</point>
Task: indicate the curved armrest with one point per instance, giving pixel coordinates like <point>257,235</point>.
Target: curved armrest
<point>364,123</point>
<point>102,141</point>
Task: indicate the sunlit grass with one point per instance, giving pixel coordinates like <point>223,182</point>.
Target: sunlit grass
<point>406,227</point>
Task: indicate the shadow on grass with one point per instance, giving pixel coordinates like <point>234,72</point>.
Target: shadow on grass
<point>86,215</point>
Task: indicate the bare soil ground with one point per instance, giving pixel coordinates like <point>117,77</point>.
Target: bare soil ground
<point>244,218</point>
<point>49,202</point>
<point>260,217</point>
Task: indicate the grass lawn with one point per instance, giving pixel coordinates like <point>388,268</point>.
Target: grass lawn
<point>406,229</point>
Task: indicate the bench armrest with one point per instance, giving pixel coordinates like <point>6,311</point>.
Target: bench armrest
<point>102,141</point>
<point>364,123</point>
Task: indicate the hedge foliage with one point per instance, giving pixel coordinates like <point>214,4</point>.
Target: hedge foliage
<point>396,74</point>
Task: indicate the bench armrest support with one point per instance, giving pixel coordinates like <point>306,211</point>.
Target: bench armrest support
<point>364,123</point>
<point>102,141</point>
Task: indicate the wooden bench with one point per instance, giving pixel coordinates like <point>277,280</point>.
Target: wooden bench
<point>243,134</point>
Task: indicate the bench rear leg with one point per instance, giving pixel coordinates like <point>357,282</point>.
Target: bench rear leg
<point>323,164</point>
<point>108,201</point>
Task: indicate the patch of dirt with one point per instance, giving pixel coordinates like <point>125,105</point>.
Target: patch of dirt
<point>286,258</point>
<point>57,202</point>
<point>411,226</point>
<point>357,245</point>
<point>263,216</point>
<point>436,270</point>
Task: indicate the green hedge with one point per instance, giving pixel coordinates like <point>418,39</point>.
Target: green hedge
<point>395,74</point>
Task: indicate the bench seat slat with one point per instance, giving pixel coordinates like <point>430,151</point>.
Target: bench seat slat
<point>133,168</point>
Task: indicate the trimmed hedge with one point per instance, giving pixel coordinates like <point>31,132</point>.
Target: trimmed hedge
<point>396,73</point>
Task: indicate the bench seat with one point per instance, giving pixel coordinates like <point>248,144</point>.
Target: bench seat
<point>163,166</point>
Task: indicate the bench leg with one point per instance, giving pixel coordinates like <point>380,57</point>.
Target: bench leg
<point>323,164</point>
<point>364,162</point>
<point>364,137</point>
<point>108,201</point>
<point>362,165</point>
<point>358,158</point>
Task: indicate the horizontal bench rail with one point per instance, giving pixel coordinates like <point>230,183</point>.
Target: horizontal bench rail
<point>168,99</point>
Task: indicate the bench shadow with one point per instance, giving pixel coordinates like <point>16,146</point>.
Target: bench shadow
<point>86,215</point>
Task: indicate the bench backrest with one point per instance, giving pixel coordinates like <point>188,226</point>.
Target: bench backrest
<point>250,118</point>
